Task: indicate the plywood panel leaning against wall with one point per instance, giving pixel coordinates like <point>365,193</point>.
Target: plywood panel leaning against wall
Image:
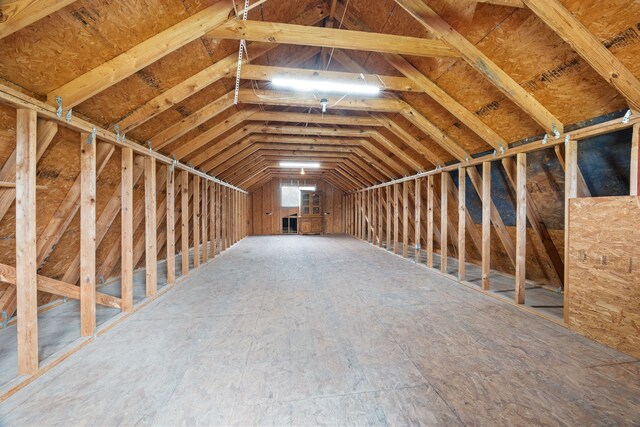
<point>604,256</point>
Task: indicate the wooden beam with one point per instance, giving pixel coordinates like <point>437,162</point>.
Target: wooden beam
<point>171,228</point>
<point>405,219</point>
<point>430,231</point>
<point>443,223</point>
<point>196,222</point>
<point>521,226</point>
<point>486,225</point>
<point>151,227</point>
<point>472,55</point>
<point>396,220</point>
<point>589,47</point>
<point>537,224</point>
<point>417,219</point>
<point>501,230</point>
<point>88,201</point>
<point>462,212</point>
<point>66,211</point>
<point>184,214</point>
<point>45,133</point>
<point>380,216</point>
<point>126,227</point>
<point>26,264</point>
<point>425,85</point>
<point>122,66</point>
<point>327,119</point>
<point>570,192</point>
<point>203,216</point>
<point>583,188</point>
<point>213,220</point>
<point>17,14</point>
<point>634,169</point>
<point>192,121</point>
<point>509,3</point>
<point>272,32</point>
<point>222,68</point>
<point>386,83</point>
<point>389,216</point>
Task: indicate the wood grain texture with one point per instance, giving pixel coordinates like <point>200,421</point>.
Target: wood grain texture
<point>486,225</point>
<point>122,66</point>
<point>88,202</point>
<point>26,264</point>
<point>602,263</point>
<point>170,224</point>
<point>151,226</point>
<point>126,227</point>
<point>521,226</point>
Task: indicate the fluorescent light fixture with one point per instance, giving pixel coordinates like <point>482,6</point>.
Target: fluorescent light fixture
<point>310,188</point>
<point>297,165</point>
<point>312,85</point>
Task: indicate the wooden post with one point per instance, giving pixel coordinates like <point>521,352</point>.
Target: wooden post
<point>396,219</point>
<point>87,234</point>
<point>486,224</point>
<point>380,217</point>
<point>417,219</point>
<point>374,217</point>
<point>570,192</point>
<point>405,219</point>
<point>388,231</point>
<point>196,221</point>
<point>126,257</point>
<point>212,219</point>
<point>634,171</point>
<point>223,224</point>
<point>521,226</point>
<point>171,226</point>
<point>443,223</point>
<point>430,186</point>
<point>151,226</point>
<point>462,212</point>
<point>184,216</point>
<point>26,268</point>
<point>363,217</point>
<point>205,223</point>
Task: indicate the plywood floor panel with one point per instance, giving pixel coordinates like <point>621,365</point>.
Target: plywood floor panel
<point>308,330</point>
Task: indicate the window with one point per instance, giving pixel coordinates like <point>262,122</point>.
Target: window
<point>290,195</point>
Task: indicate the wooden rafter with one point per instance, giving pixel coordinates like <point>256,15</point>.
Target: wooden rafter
<point>272,32</point>
<point>267,73</point>
<point>479,61</point>
<point>17,14</point>
<point>567,26</point>
<point>427,86</point>
<point>122,66</point>
<point>222,68</point>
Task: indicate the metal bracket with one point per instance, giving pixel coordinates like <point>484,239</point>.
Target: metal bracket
<point>418,246</point>
<point>173,164</point>
<point>59,109</point>
<point>120,137</point>
<point>101,280</point>
<point>92,135</point>
<point>627,117</point>
<point>149,145</point>
<point>5,319</point>
<point>501,149</point>
<point>545,139</point>
<point>68,117</point>
<point>556,133</point>
<point>567,138</point>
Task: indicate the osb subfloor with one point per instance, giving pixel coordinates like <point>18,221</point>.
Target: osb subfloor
<point>329,330</point>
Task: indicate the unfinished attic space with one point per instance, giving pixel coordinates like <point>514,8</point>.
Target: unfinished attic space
<point>319,212</point>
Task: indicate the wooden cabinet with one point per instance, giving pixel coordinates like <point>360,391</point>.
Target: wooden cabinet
<point>310,221</point>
